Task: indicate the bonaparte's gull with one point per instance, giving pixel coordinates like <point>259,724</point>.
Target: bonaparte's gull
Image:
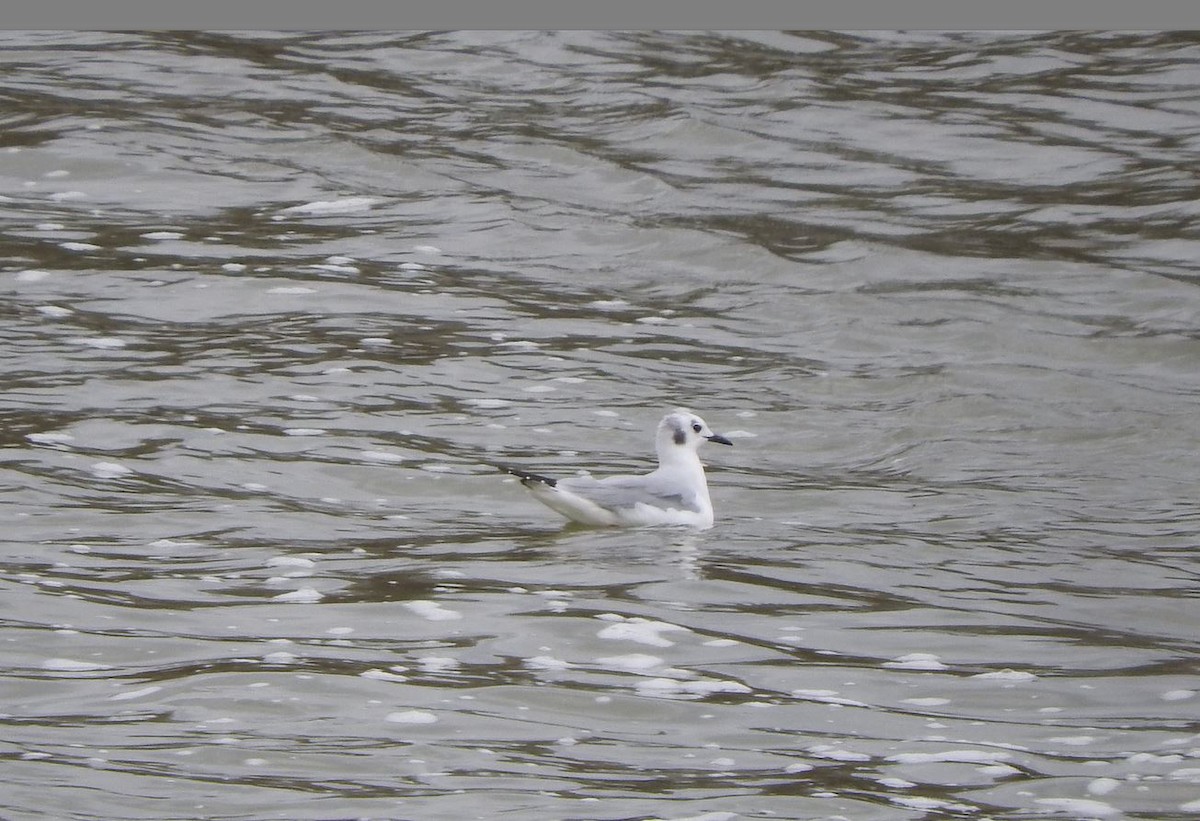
<point>675,494</point>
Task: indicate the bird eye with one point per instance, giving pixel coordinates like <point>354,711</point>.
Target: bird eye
<point>696,427</point>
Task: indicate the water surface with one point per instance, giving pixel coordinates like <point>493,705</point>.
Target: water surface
<point>275,304</point>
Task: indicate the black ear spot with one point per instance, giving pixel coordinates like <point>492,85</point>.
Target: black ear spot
<point>680,436</point>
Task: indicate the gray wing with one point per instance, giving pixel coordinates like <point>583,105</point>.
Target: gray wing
<point>618,492</point>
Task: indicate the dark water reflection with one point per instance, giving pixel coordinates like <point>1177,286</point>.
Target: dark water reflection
<point>276,303</point>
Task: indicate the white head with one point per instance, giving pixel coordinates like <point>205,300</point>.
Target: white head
<point>683,432</point>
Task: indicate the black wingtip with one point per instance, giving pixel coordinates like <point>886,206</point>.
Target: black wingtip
<point>526,477</point>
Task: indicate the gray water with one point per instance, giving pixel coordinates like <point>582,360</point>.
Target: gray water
<point>275,305</point>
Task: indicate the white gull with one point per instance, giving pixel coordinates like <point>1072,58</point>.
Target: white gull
<point>674,494</point>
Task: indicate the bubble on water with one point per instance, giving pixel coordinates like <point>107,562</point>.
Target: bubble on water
<point>432,611</point>
<point>1178,695</point>
<point>426,249</point>
<point>381,456</point>
<point>382,675</point>
<point>162,235</point>
<point>280,657</point>
<point>304,431</point>
<point>412,717</point>
<point>798,767</point>
<point>32,275</point>
<point>78,246</point>
<point>53,311</point>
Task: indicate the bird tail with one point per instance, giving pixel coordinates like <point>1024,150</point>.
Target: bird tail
<point>526,477</point>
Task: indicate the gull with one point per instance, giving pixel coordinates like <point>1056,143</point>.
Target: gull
<point>674,494</point>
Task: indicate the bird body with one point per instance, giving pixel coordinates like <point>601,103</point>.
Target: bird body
<point>676,493</point>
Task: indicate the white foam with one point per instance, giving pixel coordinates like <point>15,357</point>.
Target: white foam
<point>1006,675</point>
<point>1080,807</point>
<point>126,695</point>
<point>642,631</point>
<point>53,311</point>
<point>78,246</point>
<point>382,675</point>
<point>432,611</point>
<point>1074,740</point>
<point>412,717</point>
<point>438,664</point>
<point>233,267</point>
<point>547,663</point>
<point>345,205</point>
<point>290,561</point>
<point>957,756</point>
<point>1102,786</point>
<point>163,235</point>
<point>916,661</point>
<point>49,438</point>
<point>62,665</point>
<point>104,342</point>
<point>696,687</point>
<point>304,431</point>
<point>827,697</point>
<point>832,753</point>
<point>305,595</point>
<point>381,456</point>
<point>109,470</point>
